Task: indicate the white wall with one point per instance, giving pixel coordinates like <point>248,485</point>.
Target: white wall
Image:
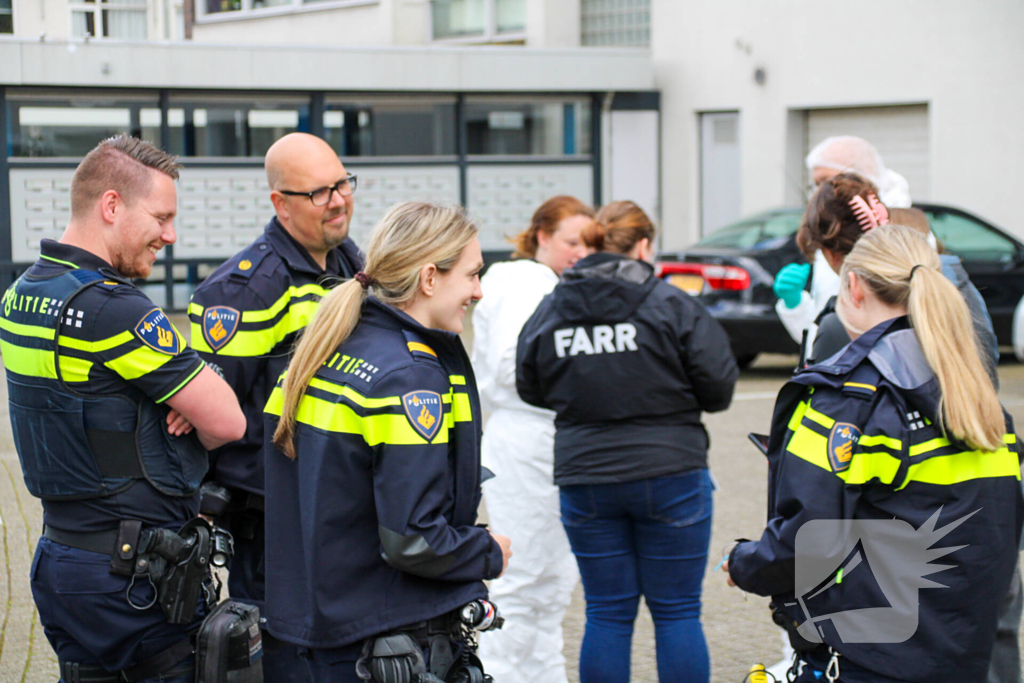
<point>963,59</point>
<point>34,17</point>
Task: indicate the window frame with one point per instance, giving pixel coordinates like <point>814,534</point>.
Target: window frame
<point>611,14</point>
<point>10,13</point>
<point>96,9</point>
<point>294,7</point>
<point>490,33</point>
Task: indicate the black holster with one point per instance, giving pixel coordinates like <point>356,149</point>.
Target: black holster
<point>177,565</point>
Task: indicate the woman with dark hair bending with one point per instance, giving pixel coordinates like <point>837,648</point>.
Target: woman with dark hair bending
<point>892,453</point>
<point>841,212</point>
<point>518,446</point>
<point>373,474</point>
<point>628,363</point>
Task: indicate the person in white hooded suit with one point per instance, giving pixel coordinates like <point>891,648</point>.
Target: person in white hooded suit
<point>518,446</point>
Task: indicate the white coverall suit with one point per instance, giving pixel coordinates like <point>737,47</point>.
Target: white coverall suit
<point>522,499</point>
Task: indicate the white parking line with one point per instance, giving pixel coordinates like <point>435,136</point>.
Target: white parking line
<point>755,396</point>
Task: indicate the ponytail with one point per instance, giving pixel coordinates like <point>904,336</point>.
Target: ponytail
<point>897,265</point>
<point>969,407</point>
<point>332,324</point>
<point>619,226</point>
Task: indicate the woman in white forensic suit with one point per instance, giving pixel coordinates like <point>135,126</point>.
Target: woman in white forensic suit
<point>518,446</point>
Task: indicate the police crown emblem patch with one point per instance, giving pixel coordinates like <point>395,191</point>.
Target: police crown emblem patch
<point>841,442</point>
<point>219,325</point>
<point>425,413</point>
<point>157,332</point>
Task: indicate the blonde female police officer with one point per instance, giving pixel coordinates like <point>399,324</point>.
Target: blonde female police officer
<point>893,453</point>
<point>373,476</point>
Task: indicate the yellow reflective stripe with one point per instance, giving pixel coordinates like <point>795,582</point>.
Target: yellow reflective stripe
<point>26,330</point>
<point>880,440</point>
<point>389,429</point>
<point>867,466</point>
<point>416,346</point>
<point>278,306</point>
<point>965,466</point>
<point>195,309</point>
<point>810,446</point>
<point>259,342</point>
<point>101,345</point>
<point>928,446</point>
<point>353,395</point>
<point>178,388</point>
<point>41,332</point>
<point>275,402</point>
<point>138,362</point>
<point>57,260</point>
<point>462,410</point>
<point>822,419</point>
<point>39,363</point>
<point>1009,438</point>
<point>798,415</point>
<point>456,379</point>
<point>858,384</point>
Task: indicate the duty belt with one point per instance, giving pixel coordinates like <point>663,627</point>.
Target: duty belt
<point>162,663</point>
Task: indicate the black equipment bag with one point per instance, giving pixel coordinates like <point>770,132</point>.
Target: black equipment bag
<point>229,646</point>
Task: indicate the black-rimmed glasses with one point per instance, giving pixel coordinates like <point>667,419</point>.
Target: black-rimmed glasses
<point>322,196</point>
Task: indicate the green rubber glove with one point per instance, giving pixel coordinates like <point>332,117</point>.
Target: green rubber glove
<point>790,283</point>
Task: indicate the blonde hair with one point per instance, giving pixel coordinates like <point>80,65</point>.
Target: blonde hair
<point>410,236</point>
<point>897,265</point>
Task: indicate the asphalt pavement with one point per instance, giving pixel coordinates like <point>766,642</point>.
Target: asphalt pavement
<point>737,626</point>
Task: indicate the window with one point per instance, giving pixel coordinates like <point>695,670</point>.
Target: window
<point>760,232</point>
<point>391,128</point>
<point>553,127</point>
<point>971,240</point>
<point>225,127</point>
<point>623,23</point>
<point>70,126</point>
<point>245,7</point>
<point>124,19</point>
<point>491,20</point>
<point>6,17</point>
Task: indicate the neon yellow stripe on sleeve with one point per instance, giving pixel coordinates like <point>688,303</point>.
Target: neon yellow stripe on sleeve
<point>178,388</point>
<point>138,362</point>
<point>867,466</point>
<point>810,446</point>
<point>283,300</point>
<point>249,343</point>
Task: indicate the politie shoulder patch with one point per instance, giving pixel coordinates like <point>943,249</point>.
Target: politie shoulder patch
<point>425,413</point>
<point>219,325</point>
<point>841,441</point>
<point>157,332</point>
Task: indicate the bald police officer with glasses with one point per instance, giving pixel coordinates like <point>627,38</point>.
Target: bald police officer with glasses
<point>245,320</point>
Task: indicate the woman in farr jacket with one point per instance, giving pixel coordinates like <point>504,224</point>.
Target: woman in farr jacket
<point>628,363</point>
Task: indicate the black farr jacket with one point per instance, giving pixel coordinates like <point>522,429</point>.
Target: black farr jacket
<point>628,363</point>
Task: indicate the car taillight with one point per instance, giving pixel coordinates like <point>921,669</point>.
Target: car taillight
<point>729,278</point>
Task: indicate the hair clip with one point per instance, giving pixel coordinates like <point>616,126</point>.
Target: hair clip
<point>871,213</point>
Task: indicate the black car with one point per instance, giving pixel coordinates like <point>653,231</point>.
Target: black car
<point>732,271</point>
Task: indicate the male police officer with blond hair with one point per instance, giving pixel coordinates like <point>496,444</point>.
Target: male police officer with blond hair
<point>245,320</point>
<point>104,398</point>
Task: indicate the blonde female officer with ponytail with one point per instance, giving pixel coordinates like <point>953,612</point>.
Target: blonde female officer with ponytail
<point>373,474</point>
<point>893,453</point>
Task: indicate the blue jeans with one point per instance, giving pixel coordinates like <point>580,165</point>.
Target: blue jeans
<point>648,537</point>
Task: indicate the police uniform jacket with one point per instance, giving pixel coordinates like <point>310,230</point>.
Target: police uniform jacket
<point>857,438</point>
<point>627,362</point>
<point>245,320</point>
<point>372,526</point>
<point>89,421</point>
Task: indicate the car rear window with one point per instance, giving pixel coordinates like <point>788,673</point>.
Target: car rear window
<point>760,232</point>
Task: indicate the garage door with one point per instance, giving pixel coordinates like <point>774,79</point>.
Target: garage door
<point>899,133</point>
